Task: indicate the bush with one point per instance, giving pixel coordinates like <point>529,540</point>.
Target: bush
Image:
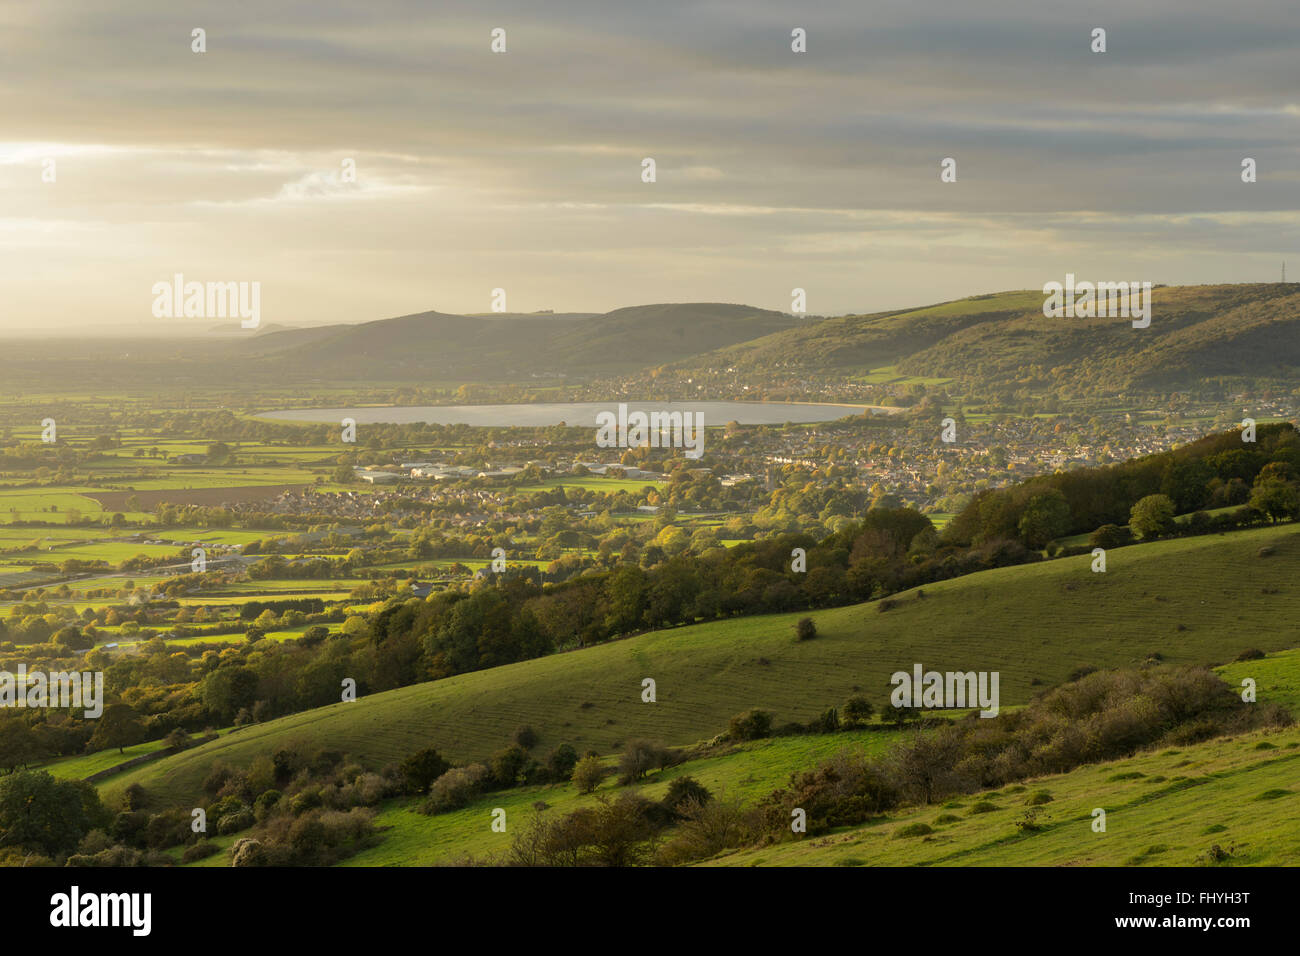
<point>199,851</point>
<point>234,822</point>
<point>619,832</point>
<point>248,852</point>
<point>1110,536</point>
<point>914,830</point>
<point>266,803</point>
<point>457,788</point>
<point>805,629</point>
<point>640,757</point>
<point>134,797</point>
<point>304,800</point>
<point>753,724</point>
<point>526,737</point>
<point>708,828</point>
<point>827,723</point>
<point>168,828</point>
<point>847,789</point>
<point>685,789</point>
<point>112,856</point>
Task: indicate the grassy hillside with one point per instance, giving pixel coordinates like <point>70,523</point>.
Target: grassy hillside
<point>750,771</point>
<point>1162,809</point>
<point>1035,624</point>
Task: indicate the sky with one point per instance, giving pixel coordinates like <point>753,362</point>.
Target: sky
<point>523,170</point>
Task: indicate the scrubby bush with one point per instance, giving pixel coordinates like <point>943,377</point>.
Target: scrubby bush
<point>805,629</point>
<point>248,852</point>
<point>618,832</point>
<point>685,789</point>
<point>234,822</point>
<point>753,724</point>
<point>199,851</point>
<point>115,856</point>
<point>709,827</point>
<point>847,789</point>
<point>640,757</point>
<point>169,828</point>
<point>457,788</point>
<point>266,804</point>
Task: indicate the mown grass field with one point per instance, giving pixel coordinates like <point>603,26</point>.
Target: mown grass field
<point>1195,600</point>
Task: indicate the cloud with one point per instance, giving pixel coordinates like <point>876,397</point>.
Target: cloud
<point>477,169</point>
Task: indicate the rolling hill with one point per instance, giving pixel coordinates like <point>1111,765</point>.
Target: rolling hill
<point>1171,598</point>
<point>435,344</point>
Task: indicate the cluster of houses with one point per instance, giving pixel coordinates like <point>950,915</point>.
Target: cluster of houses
<point>441,471</point>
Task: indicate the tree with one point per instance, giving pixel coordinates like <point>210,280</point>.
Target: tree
<point>562,761</point>
<point>73,639</point>
<point>924,768</point>
<point>118,726</point>
<point>588,773</point>
<point>1275,498</point>
<point>38,812</point>
<point>1046,517</point>
<point>508,764</point>
<point>19,745</point>
<point>228,689</point>
<point>1152,516</point>
<point>858,710</point>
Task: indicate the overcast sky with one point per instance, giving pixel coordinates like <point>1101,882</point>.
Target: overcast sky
<point>522,170</point>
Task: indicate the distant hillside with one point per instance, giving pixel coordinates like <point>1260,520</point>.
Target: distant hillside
<point>435,344</point>
<point>998,345</point>
<point>1004,340</point>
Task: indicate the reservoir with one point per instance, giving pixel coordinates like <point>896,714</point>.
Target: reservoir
<point>573,414</point>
